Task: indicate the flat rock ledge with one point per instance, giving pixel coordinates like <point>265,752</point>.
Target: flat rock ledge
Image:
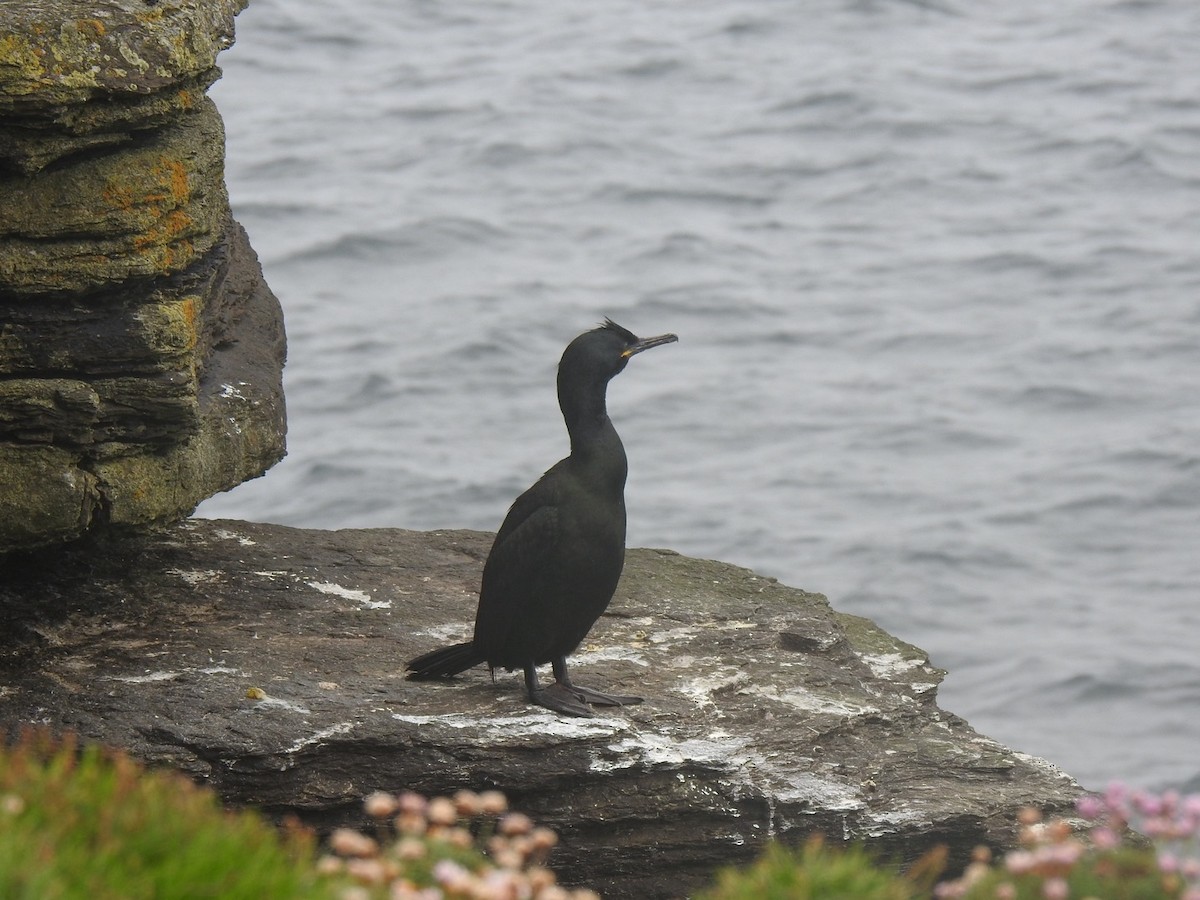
<point>767,714</point>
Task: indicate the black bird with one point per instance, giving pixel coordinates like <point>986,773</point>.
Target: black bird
<point>558,555</point>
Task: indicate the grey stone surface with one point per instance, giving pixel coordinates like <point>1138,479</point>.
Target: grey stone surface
<point>767,714</point>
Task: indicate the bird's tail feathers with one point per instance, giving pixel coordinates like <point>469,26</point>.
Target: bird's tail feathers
<point>444,662</point>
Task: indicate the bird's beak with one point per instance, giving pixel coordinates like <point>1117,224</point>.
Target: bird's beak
<point>647,343</point>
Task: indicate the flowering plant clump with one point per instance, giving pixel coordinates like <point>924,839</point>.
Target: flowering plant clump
<point>1169,820</point>
<point>1055,862</point>
<point>469,846</point>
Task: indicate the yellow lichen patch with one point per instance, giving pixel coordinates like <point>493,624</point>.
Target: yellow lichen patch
<point>184,314</point>
<point>187,308</point>
<point>150,16</point>
<point>75,41</point>
<point>178,255</point>
<point>16,51</point>
<point>170,328</point>
<point>93,25</point>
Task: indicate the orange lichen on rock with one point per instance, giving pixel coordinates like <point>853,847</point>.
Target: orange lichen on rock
<point>93,25</point>
<point>177,179</point>
<point>117,193</point>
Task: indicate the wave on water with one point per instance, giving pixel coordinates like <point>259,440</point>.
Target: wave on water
<point>436,237</point>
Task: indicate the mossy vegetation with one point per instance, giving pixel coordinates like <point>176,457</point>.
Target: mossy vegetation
<point>816,872</point>
<point>93,824</point>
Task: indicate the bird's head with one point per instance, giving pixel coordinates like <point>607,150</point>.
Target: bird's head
<point>604,351</point>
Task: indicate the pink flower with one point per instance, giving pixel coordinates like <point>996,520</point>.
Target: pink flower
<point>1147,804</point>
<point>949,890</point>
<point>1105,838</point>
<point>1019,861</point>
<point>1065,854</point>
<point>1056,889</point>
<point>452,876</point>
<point>1090,806</point>
<point>1116,795</point>
<point>1170,802</point>
<point>1155,828</point>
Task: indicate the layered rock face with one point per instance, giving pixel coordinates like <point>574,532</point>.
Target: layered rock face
<point>141,352</point>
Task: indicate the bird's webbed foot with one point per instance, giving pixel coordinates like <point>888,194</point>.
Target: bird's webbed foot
<point>561,699</point>
<point>568,698</point>
<point>556,697</point>
<point>587,695</point>
<point>599,698</point>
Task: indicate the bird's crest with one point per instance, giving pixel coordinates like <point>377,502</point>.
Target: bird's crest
<point>625,334</point>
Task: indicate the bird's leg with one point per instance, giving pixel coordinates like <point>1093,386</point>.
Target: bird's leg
<point>587,695</point>
<point>556,697</point>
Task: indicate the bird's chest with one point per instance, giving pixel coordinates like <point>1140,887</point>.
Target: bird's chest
<point>593,529</point>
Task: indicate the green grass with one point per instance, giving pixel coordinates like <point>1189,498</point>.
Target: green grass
<point>813,872</point>
<point>92,824</point>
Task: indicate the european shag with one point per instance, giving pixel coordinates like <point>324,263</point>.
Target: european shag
<point>558,555</point>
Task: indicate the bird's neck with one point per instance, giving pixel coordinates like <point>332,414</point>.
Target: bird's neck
<point>595,443</point>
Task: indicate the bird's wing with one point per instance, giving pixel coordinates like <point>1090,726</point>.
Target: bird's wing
<point>524,547</point>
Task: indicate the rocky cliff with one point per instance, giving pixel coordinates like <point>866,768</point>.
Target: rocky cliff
<point>268,662</point>
<point>140,350</point>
